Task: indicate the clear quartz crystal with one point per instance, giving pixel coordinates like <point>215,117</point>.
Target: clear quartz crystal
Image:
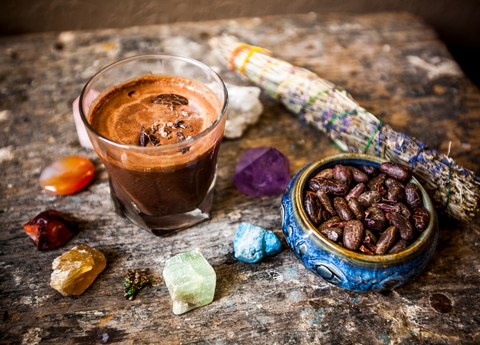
<point>244,109</point>
<point>190,280</point>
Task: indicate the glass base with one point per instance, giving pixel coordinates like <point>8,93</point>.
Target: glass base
<point>167,224</point>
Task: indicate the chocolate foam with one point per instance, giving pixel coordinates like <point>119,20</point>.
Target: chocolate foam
<point>118,114</point>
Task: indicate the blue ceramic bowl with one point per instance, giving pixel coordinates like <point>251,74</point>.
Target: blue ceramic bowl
<point>340,266</point>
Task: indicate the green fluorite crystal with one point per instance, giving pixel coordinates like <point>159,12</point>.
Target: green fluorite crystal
<point>190,280</point>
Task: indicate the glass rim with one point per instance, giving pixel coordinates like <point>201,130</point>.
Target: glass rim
<point>111,66</point>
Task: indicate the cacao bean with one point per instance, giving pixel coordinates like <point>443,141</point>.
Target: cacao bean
<point>369,237</point>
<point>375,219</point>
<point>338,210</point>
<point>170,99</point>
<point>326,215</point>
<point>313,207</point>
<point>371,171</point>
<point>402,224</point>
<point>342,209</point>
<point>413,196</point>
<point>358,176</point>
<point>377,183</point>
<point>324,225</point>
<point>390,182</point>
<point>421,218</point>
<point>398,207</point>
<point>326,174</point>
<point>356,208</point>
<point>387,207</point>
<point>340,225</point>
<point>398,246</point>
<point>404,210</point>
<point>353,234</point>
<point>395,194</point>
<point>326,202</point>
<point>386,240</point>
<point>328,186</point>
<point>396,171</point>
<point>342,174</point>
<point>356,191</point>
<point>333,234</point>
<point>369,198</point>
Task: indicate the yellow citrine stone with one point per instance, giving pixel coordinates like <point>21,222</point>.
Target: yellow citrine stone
<point>75,270</point>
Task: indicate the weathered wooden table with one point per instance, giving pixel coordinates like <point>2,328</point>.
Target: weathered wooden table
<point>392,64</point>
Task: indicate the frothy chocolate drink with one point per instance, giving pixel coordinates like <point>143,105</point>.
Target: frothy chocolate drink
<point>171,109</point>
<point>156,178</point>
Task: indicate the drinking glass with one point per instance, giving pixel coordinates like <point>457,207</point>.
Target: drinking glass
<point>160,188</point>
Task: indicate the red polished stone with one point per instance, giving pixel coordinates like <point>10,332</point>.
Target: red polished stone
<point>67,175</point>
<point>50,229</point>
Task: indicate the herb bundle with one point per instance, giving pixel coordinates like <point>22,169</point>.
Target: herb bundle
<point>332,110</point>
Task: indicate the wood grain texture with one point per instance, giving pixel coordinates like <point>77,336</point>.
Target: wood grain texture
<point>391,63</point>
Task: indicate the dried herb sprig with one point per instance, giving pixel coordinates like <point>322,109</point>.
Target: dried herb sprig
<point>135,281</point>
<point>352,128</point>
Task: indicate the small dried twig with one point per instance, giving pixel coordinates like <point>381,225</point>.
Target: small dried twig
<point>135,281</point>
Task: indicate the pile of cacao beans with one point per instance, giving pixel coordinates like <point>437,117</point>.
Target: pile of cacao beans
<point>362,208</point>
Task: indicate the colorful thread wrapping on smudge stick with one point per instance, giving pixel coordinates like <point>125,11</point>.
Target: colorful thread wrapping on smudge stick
<point>449,174</point>
<point>280,87</point>
<point>258,77</point>
<point>371,138</point>
<point>378,140</point>
<point>348,124</point>
<point>233,54</point>
<point>329,109</point>
<point>252,49</point>
<point>250,53</point>
<point>416,156</point>
<point>452,187</point>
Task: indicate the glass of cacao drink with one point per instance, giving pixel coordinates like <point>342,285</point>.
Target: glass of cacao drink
<point>156,122</point>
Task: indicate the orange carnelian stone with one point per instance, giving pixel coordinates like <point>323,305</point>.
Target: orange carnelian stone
<point>67,175</point>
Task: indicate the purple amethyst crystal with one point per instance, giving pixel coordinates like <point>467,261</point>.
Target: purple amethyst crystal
<point>262,171</point>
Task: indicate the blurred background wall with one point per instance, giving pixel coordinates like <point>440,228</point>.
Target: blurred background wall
<point>457,22</point>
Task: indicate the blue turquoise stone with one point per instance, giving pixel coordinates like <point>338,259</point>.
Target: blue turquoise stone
<point>272,243</point>
<point>252,243</point>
